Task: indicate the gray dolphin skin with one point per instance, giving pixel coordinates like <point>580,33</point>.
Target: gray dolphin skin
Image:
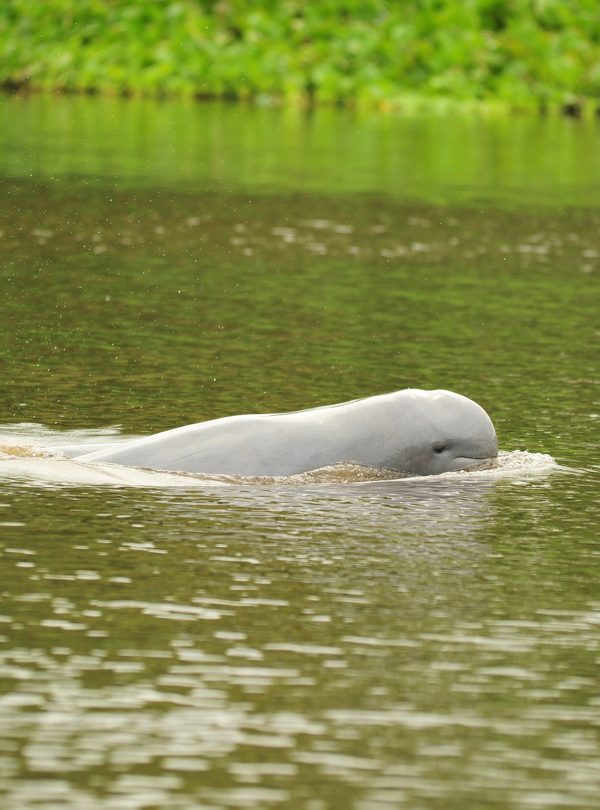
<point>412,431</point>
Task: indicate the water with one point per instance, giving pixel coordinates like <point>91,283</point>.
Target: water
<point>331,641</point>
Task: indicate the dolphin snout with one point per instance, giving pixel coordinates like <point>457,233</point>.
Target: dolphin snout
<point>468,464</point>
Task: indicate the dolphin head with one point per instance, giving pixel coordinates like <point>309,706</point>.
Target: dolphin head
<point>448,432</point>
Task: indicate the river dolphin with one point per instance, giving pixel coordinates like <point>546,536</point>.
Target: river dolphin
<point>413,431</point>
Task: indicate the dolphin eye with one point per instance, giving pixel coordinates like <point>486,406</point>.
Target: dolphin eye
<point>439,447</point>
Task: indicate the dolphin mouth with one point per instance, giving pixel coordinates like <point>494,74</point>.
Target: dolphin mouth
<point>471,464</point>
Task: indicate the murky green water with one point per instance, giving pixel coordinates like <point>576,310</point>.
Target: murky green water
<point>414,644</point>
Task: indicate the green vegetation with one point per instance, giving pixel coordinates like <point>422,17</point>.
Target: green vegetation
<point>523,54</point>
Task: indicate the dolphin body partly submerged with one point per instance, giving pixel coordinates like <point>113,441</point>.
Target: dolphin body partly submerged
<point>413,431</point>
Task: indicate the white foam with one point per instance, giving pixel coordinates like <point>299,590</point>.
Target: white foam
<point>50,471</point>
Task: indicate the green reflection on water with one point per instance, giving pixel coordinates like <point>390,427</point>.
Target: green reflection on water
<point>415,645</point>
<point>432,646</point>
<point>445,158</point>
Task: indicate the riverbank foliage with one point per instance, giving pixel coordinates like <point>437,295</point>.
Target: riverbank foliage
<point>539,54</point>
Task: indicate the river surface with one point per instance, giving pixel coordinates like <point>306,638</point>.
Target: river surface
<point>336,640</point>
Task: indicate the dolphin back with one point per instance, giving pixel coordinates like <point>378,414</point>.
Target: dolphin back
<point>235,445</point>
